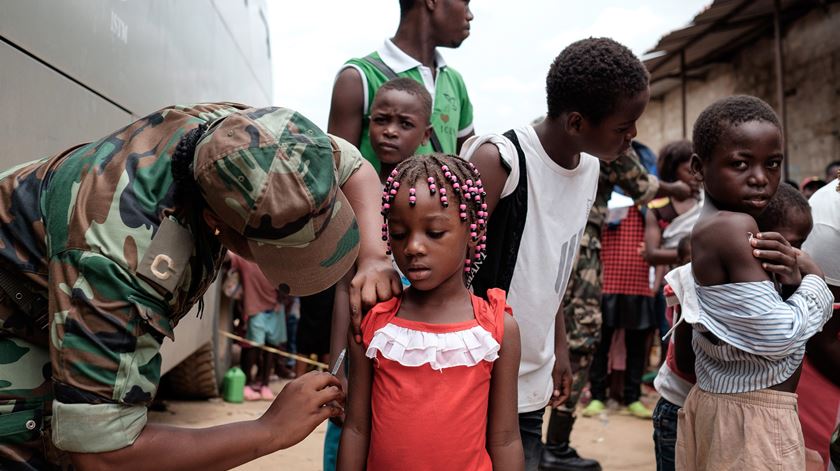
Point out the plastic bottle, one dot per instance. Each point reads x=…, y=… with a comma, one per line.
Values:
x=233, y=385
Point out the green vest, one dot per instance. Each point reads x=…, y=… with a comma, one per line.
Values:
x=452, y=111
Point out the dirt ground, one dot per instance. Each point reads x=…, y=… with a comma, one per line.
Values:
x=619, y=442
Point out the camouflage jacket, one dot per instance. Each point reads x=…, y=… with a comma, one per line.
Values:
x=628, y=173
x=79, y=225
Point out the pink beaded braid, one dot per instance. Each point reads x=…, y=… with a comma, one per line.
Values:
x=442, y=173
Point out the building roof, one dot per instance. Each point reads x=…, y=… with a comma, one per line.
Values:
x=722, y=27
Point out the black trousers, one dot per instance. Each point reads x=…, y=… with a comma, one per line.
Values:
x=634, y=340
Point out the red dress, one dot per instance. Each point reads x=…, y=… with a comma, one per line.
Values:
x=431, y=387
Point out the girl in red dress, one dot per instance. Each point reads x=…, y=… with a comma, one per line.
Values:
x=433, y=385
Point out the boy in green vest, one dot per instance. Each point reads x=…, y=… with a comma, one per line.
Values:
x=412, y=52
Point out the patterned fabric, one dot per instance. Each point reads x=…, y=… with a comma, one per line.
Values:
x=630, y=175
x=757, y=339
x=452, y=111
x=270, y=174
x=582, y=300
x=625, y=271
x=81, y=227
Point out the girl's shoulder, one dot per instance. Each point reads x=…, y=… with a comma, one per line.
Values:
x=378, y=316
x=490, y=313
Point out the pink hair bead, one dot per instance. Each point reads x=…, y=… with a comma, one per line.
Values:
x=412, y=191
x=456, y=185
x=473, y=226
x=393, y=192
x=444, y=168
x=469, y=182
x=481, y=221
x=386, y=206
x=430, y=180
x=484, y=206
x=462, y=207
x=443, y=191
x=478, y=256
x=483, y=238
x=448, y=174
x=478, y=182
x=396, y=184
x=473, y=234
x=412, y=199
x=463, y=216
x=443, y=199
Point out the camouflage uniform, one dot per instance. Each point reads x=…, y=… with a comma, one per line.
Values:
x=86, y=228
x=582, y=300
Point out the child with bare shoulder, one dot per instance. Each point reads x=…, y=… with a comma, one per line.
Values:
x=433, y=384
x=749, y=341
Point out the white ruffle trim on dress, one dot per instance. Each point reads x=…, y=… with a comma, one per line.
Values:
x=440, y=350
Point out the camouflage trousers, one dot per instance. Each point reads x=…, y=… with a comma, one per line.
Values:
x=582, y=312
x=25, y=408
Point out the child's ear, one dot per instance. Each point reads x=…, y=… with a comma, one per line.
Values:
x=696, y=164
x=427, y=134
x=574, y=123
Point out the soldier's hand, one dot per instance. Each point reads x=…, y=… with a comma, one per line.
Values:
x=301, y=406
x=375, y=281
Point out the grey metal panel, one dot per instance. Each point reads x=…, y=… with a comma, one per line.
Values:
x=147, y=54
x=42, y=112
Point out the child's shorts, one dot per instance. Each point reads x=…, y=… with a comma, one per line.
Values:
x=757, y=430
x=267, y=327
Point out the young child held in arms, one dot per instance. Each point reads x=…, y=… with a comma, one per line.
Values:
x=433, y=385
x=787, y=218
x=748, y=341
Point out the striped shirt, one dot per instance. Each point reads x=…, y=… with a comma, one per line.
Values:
x=761, y=337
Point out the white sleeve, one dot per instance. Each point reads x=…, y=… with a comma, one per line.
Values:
x=507, y=151
x=823, y=241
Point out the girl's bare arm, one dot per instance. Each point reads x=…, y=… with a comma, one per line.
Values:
x=654, y=253
x=355, y=436
x=503, y=440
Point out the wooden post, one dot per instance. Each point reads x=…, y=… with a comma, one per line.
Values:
x=780, y=80
x=684, y=86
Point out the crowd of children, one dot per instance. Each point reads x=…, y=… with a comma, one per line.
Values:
x=457, y=372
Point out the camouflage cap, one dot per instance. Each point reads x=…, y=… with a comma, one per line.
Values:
x=270, y=174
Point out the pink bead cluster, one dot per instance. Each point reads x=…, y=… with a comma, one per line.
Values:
x=471, y=194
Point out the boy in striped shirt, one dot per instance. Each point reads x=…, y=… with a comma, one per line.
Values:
x=749, y=342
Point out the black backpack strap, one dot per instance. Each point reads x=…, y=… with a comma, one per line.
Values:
x=380, y=66
x=391, y=75
x=504, y=232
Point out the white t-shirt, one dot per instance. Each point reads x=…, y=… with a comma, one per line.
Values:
x=823, y=243
x=559, y=201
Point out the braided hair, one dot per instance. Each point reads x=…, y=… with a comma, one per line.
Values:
x=182, y=166
x=454, y=181
x=188, y=199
